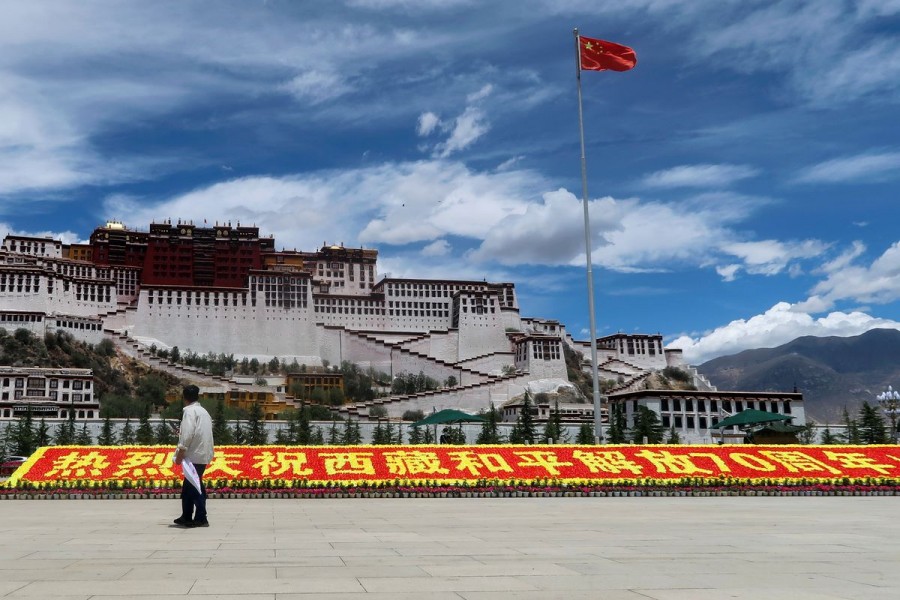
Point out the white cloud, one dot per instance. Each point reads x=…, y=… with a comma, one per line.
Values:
x=878, y=283
x=481, y=94
x=66, y=237
x=778, y=325
x=317, y=86
x=728, y=272
x=428, y=122
x=436, y=248
x=771, y=257
x=854, y=169
x=466, y=129
x=698, y=176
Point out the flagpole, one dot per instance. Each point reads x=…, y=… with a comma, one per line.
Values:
x=598, y=421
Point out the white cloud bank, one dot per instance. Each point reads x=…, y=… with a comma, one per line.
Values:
x=778, y=325
x=698, y=176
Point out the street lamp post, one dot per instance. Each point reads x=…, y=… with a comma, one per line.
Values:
x=890, y=404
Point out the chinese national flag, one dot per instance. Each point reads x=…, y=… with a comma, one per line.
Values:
x=600, y=55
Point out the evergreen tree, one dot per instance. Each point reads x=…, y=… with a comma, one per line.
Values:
x=237, y=433
x=302, y=425
x=106, y=437
x=378, y=435
x=352, y=434
x=23, y=438
x=41, y=434
x=808, y=434
x=618, y=424
x=126, y=436
x=829, y=438
x=317, y=438
x=64, y=435
x=872, y=426
x=284, y=436
x=84, y=436
x=334, y=436
x=525, y=422
x=647, y=425
x=144, y=434
x=221, y=432
x=585, y=434
x=851, y=428
x=673, y=438
x=427, y=435
x=163, y=436
x=256, y=429
x=490, y=430
x=554, y=429
x=415, y=435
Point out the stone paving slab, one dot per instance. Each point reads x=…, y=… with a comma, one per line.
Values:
x=779, y=548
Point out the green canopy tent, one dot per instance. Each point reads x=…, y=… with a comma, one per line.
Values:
x=749, y=417
x=448, y=416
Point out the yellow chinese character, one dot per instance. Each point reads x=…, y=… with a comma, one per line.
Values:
x=283, y=462
x=358, y=463
x=223, y=462
x=858, y=460
x=715, y=458
x=752, y=462
x=666, y=462
x=145, y=464
x=795, y=461
x=79, y=465
x=403, y=462
x=474, y=463
x=607, y=462
x=544, y=460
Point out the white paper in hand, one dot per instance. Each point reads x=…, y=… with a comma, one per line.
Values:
x=190, y=473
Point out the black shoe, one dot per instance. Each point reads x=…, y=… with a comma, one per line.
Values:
x=182, y=522
x=203, y=523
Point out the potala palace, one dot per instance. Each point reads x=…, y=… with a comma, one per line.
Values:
x=226, y=289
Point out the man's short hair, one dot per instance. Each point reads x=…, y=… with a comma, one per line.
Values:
x=191, y=392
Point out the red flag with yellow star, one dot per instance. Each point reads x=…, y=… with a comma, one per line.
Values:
x=600, y=55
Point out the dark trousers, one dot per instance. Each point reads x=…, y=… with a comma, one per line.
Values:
x=191, y=498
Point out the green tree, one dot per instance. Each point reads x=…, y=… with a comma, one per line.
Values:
x=106, y=437
x=413, y=415
x=451, y=381
x=84, y=436
x=41, y=434
x=851, y=428
x=808, y=434
x=415, y=435
x=646, y=425
x=335, y=396
x=237, y=433
x=673, y=438
x=126, y=436
x=163, y=436
x=334, y=435
x=175, y=355
x=256, y=429
x=525, y=421
x=23, y=437
x=828, y=438
x=221, y=432
x=554, y=429
x=490, y=429
x=352, y=434
x=152, y=390
x=872, y=426
x=379, y=437
x=585, y=434
x=144, y=434
x=318, y=437
x=64, y=435
x=618, y=425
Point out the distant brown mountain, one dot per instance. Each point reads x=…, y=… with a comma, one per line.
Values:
x=832, y=372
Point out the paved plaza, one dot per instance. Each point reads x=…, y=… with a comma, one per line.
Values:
x=797, y=548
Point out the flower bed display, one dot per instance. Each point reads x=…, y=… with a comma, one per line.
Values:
x=316, y=471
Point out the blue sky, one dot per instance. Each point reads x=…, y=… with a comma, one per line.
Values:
x=743, y=177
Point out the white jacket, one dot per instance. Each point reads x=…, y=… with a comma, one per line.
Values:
x=195, y=436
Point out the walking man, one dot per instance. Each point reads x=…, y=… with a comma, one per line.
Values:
x=195, y=445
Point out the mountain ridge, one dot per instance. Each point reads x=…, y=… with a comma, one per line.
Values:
x=832, y=372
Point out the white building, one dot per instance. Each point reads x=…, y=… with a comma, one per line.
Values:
x=47, y=393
